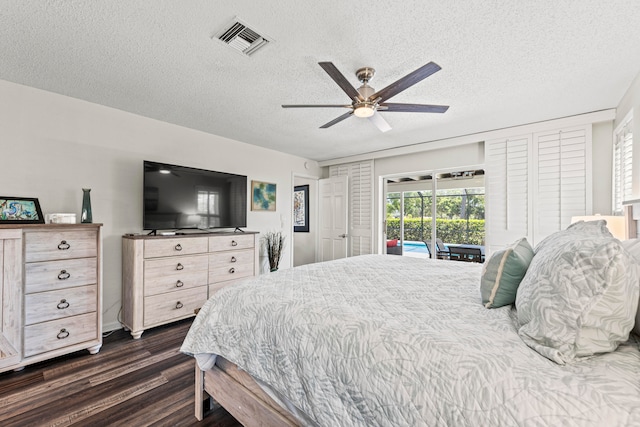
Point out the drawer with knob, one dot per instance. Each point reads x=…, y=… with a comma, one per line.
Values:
x=175, y=246
x=225, y=243
x=170, y=274
x=50, y=275
x=55, y=334
x=45, y=306
x=46, y=246
x=231, y=265
x=173, y=305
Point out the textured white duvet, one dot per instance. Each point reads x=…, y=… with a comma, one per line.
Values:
x=382, y=340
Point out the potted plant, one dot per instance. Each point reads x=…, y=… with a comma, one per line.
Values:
x=274, y=244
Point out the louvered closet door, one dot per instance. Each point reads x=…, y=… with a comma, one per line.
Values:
x=562, y=183
x=360, y=205
x=508, y=191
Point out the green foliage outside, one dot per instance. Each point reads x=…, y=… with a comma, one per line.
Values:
x=449, y=230
x=447, y=206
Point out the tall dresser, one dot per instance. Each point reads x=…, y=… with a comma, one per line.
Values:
x=166, y=278
x=51, y=291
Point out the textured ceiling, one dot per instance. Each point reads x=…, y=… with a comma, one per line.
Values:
x=504, y=63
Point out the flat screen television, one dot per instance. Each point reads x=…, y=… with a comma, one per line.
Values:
x=179, y=197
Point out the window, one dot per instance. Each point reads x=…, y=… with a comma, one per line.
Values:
x=208, y=207
x=622, y=164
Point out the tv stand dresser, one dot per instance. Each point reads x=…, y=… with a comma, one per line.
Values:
x=167, y=278
x=50, y=292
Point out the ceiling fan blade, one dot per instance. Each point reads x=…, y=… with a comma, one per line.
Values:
x=412, y=108
x=337, y=120
x=318, y=106
x=380, y=122
x=341, y=80
x=406, y=82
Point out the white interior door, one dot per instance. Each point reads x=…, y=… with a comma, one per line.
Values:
x=333, y=218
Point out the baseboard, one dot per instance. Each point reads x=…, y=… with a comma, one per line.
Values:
x=108, y=327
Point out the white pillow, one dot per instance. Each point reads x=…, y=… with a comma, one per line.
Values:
x=579, y=295
x=633, y=246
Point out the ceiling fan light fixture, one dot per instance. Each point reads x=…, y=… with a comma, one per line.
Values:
x=364, y=111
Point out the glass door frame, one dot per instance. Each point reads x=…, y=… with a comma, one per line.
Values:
x=434, y=187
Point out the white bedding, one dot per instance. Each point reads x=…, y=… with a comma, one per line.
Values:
x=398, y=341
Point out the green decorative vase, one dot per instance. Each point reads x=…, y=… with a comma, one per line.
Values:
x=87, y=215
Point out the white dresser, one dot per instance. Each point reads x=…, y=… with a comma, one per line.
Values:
x=166, y=278
x=51, y=300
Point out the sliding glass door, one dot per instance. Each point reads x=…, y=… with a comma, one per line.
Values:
x=427, y=226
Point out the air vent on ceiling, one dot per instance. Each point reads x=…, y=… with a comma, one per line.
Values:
x=242, y=38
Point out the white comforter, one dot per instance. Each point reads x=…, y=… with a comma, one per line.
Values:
x=382, y=340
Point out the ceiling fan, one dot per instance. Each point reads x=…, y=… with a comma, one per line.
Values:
x=367, y=103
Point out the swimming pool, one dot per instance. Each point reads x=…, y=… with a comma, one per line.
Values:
x=415, y=247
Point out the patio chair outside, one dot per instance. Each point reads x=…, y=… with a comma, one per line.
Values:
x=465, y=254
x=439, y=254
x=443, y=250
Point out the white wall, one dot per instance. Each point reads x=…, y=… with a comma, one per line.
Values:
x=52, y=146
x=631, y=102
x=305, y=244
x=602, y=163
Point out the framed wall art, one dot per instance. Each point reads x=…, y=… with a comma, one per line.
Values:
x=20, y=210
x=263, y=196
x=301, y=208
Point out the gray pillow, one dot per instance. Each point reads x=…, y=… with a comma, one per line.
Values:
x=503, y=272
x=579, y=295
x=633, y=246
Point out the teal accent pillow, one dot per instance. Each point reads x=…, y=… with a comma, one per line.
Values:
x=503, y=272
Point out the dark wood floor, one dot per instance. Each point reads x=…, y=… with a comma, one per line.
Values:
x=128, y=383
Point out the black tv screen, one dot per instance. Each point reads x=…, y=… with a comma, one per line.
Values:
x=179, y=197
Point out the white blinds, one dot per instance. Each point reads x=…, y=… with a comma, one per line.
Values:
x=622, y=165
x=535, y=183
x=360, y=204
x=507, y=184
x=561, y=183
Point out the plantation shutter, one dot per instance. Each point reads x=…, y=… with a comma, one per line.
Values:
x=562, y=185
x=622, y=166
x=360, y=204
x=535, y=184
x=507, y=191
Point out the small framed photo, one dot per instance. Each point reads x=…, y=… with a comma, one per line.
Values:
x=20, y=210
x=301, y=208
x=263, y=196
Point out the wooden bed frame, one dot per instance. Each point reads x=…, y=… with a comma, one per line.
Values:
x=240, y=395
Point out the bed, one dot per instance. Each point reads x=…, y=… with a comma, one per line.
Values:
x=398, y=341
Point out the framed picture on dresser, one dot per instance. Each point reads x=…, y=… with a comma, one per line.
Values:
x=20, y=210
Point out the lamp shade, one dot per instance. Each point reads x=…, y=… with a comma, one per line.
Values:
x=615, y=224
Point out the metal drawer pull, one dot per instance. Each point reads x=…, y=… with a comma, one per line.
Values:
x=234, y=243
x=179, y=267
x=232, y=270
x=63, y=304
x=179, y=305
x=63, y=246
x=64, y=275
x=233, y=259
x=62, y=334
x=178, y=247
x=179, y=284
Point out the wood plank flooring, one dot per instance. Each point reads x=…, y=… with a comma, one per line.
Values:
x=128, y=383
